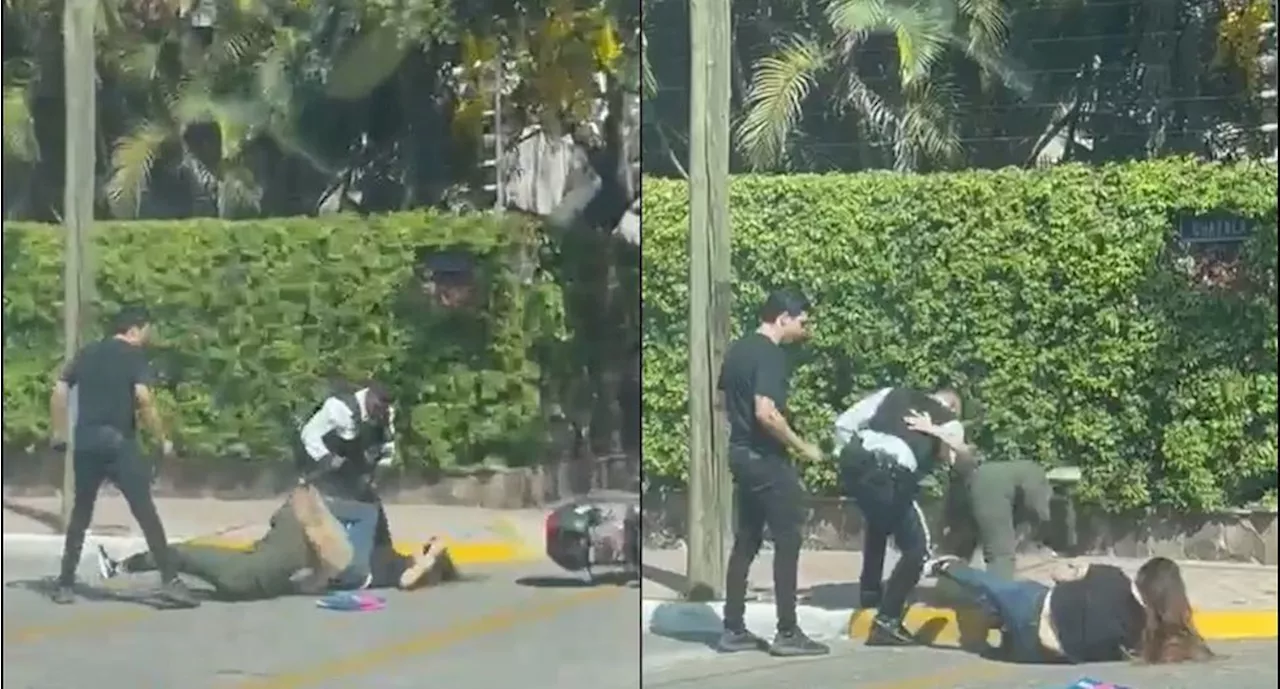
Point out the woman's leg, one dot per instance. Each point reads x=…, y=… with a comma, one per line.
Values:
x=234, y=574
x=360, y=519
x=1016, y=604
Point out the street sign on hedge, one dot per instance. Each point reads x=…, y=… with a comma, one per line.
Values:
x=1214, y=228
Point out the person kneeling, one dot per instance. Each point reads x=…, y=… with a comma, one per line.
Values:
x=1098, y=616
x=303, y=535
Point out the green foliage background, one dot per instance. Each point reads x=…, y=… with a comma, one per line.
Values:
x=255, y=317
x=1050, y=298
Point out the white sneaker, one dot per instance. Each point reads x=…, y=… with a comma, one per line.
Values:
x=939, y=564
x=108, y=567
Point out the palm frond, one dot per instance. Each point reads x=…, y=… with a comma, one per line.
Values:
x=875, y=112
x=19, y=126
x=648, y=78
x=238, y=191
x=853, y=20
x=138, y=62
x=928, y=126
x=779, y=85
x=20, y=143
x=202, y=179
x=921, y=31
x=132, y=159
x=987, y=22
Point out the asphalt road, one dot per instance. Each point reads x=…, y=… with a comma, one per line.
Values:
x=502, y=627
x=670, y=664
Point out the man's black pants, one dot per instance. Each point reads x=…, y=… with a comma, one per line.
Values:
x=767, y=492
x=101, y=454
x=886, y=495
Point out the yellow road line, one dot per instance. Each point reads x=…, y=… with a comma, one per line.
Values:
x=433, y=641
x=77, y=624
x=463, y=552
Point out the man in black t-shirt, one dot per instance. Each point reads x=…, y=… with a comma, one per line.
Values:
x=754, y=379
x=111, y=380
x=886, y=444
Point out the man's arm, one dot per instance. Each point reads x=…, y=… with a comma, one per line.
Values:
x=771, y=385
x=59, y=400
x=387, y=453
x=332, y=417
x=950, y=433
x=768, y=415
x=150, y=414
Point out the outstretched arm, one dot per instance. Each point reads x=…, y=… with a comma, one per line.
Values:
x=950, y=433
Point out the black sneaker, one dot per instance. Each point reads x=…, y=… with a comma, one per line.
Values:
x=177, y=595
x=869, y=599
x=886, y=632
x=63, y=594
x=733, y=641
x=792, y=643
x=108, y=567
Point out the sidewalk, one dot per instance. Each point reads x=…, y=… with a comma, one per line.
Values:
x=475, y=535
x=1231, y=600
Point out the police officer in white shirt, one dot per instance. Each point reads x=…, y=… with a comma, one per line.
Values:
x=886, y=443
x=340, y=447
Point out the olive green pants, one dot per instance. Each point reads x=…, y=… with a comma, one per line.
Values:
x=980, y=511
x=263, y=571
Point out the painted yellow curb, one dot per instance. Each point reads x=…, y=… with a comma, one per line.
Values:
x=463, y=552
x=944, y=625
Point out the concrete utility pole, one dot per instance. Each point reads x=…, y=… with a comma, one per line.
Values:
x=1267, y=68
x=80, y=79
x=710, y=509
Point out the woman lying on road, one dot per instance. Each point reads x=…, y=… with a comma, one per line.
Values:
x=1099, y=616
x=303, y=536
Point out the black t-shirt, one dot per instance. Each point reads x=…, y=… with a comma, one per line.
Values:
x=1097, y=617
x=896, y=405
x=754, y=365
x=103, y=375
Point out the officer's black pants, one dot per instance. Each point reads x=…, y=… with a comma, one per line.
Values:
x=767, y=492
x=104, y=454
x=886, y=495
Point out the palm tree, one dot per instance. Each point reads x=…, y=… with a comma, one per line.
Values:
x=912, y=108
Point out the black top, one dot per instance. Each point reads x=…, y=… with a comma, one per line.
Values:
x=896, y=405
x=754, y=365
x=104, y=374
x=1097, y=617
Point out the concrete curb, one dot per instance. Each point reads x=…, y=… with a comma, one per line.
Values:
x=939, y=625
x=683, y=619
x=463, y=552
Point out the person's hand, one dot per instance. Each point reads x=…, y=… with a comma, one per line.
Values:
x=1067, y=570
x=919, y=422
x=811, y=452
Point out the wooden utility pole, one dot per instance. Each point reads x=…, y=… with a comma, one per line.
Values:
x=709, y=295
x=80, y=77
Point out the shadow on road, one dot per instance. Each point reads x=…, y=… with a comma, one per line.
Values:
x=143, y=597
x=49, y=520
x=582, y=581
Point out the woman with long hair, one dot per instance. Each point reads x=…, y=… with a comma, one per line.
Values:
x=1100, y=615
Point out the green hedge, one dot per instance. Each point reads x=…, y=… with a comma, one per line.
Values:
x=1050, y=298
x=254, y=318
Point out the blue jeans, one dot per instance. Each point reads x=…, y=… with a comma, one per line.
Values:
x=360, y=519
x=1016, y=604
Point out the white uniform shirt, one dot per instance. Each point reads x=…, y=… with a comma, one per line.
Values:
x=854, y=420
x=334, y=416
